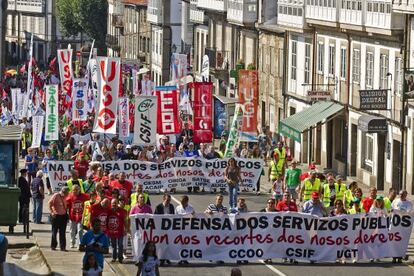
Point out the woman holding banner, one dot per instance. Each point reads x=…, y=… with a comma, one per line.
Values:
x=233, y=178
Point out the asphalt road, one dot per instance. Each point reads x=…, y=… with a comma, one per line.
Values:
x=255, y=203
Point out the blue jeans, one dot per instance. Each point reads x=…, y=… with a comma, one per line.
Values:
x=117, y=248
x=37, y=209
x=233, y=195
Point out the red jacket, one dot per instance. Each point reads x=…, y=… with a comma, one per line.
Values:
x=75, y=206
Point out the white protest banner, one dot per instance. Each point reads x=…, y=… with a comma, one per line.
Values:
x=108, y=88
x=14, y=99
x=80, y=100
x=234, y=133
x=59, y=173
x=66, y=73
x=52, y=124
x=37, y=130
x=145, y=127
x=21, y=96
x=25, y=106
x=30, y=82
x=178, y=172
x=205, y=69
x=93, y=69
x=147, y=86
x=256, y=236
x=123, y=117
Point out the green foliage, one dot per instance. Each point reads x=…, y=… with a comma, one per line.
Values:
x=88, y=16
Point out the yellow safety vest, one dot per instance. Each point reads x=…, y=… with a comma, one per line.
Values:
x=26, y=139
x=273, y=171
x=352, y=211
x=310, y=188
x=282, y=157
x=221, y=154
x=348, y=198
x=134, y=198
x=387, y=203
x=69, y=183
x=339, y=193
x=86, y=215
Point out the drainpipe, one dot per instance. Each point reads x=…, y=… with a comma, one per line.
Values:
x=346, y=105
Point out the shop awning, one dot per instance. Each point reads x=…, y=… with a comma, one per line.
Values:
x=294, y=125
x=10, y=133
x=372, y=124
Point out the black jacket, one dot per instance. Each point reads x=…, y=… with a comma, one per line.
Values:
x=25, y=193
x=159, y=210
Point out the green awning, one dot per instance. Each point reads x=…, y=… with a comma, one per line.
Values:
x=294, y=125
x=8, y=133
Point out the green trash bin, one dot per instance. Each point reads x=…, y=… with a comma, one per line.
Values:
x=9, y=198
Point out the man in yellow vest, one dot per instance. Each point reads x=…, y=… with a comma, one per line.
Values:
x=139, y=190
x=341, y=187
x=74, y=180
x=273, y=172
x=349, y=194
x=392, y=194
x=333, y=191
x=310, y=185
x=87, y=210
x=280, y=158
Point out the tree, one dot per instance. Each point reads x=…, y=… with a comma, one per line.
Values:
x=88, y=16
x=67, y=11
x=93, y=15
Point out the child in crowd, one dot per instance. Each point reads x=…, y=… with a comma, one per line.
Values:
x=148, y=263
x=278, y=188
x=91, y=267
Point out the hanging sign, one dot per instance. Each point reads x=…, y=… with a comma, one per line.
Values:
x=373, y=99
x=52, y=123
x=145, y=125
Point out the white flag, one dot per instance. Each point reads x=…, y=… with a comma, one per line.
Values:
x=37, y=131
x=123, y=117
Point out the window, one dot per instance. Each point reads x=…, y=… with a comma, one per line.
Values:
x=384, y=71
x=356, y=66
x=343, y=63
x=307, y=62
x=281, y=57
x=321, y=55
x=398, y=76
x=293, y=60
x=367, y=151
x=331, y=68
x=273, y=61
x=369, y=74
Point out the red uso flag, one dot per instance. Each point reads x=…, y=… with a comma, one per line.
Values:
x=203, y=111
x=66, y=74
x=108, y=89
x=167, y=122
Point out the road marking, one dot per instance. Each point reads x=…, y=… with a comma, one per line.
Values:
x=274, y=269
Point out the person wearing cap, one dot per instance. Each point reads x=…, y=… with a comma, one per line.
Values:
x=25, y=194
x=310, y=185
x=292, y=180
x=74, y=180
x=314, y=206
x=58, y=211
x=128, y=155
x=356, y=207
x=280, y=157
x=378, y=207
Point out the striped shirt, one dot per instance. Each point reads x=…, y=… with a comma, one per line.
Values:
x=216, y=209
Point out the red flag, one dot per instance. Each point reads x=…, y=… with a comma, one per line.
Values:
x=203, y=110
x=167, y=110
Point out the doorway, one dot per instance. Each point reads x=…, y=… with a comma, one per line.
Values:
x=329, y=136
x=396, y=165
x=381, y=161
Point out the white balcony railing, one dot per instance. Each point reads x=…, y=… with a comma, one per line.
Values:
x=196, y=15
x=32, y=6
x=215, y=5
x=291, y=13
x=317, y=10
x=155, y=12
x=403, y=6
x=351, y=16
x=242, y=11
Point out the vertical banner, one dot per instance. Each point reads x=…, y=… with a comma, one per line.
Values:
x=123, y=117
x=205, y=68
x=66, y=74
x=80, y=100
x=20, y=102
x=220, y=118
x=248, y=95
x=145, y=127
x=147, y=86
x=93, y=69
x=108, y=89
x=52, y=124
x=203, y=112
x=14, y=98
x=37, y=131
x=25, y=105
x=135, y=88
x=234, y=133
x=167, y=110
x=30, y=81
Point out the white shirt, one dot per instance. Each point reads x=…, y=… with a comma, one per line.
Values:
x=405, y=206
x=378, y=211
x=179, y=210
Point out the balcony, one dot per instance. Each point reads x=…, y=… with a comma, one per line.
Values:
x=379, y=15
x=117, y=20
x=213, y=5
x=403, y=6
x=111, y=41
x=219, y=60
x=291, y=14
x=196, y=15
x=242, y=12
x=326, y=11
x=32, y=6
x=155, y=12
